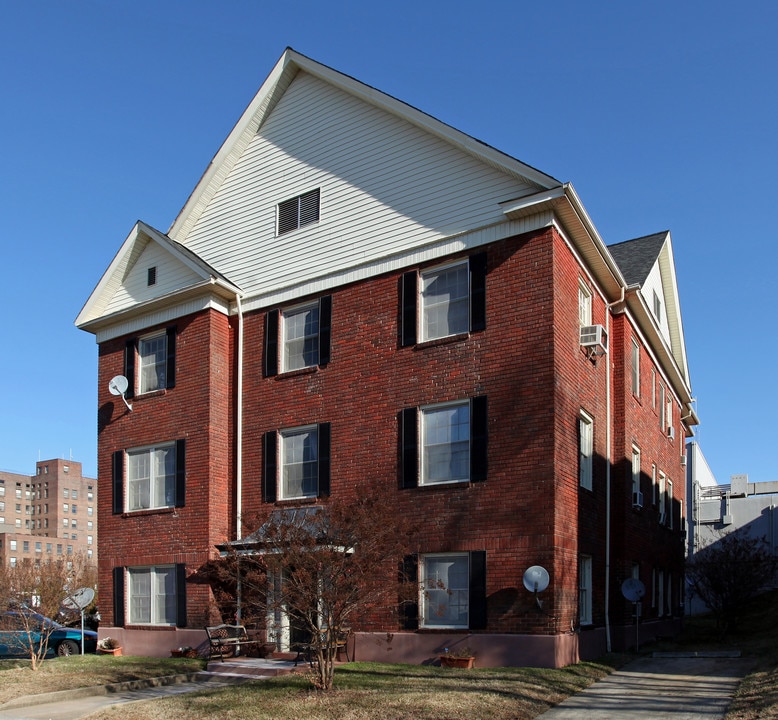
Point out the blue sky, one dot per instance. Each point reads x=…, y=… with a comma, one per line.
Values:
x=663, y=115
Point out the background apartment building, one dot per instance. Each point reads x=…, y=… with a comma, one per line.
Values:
x=48, y=515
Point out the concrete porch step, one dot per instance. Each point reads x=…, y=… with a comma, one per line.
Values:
x=250, y=668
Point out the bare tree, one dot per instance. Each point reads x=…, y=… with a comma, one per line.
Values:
x=319, y=567
x=729, y=572
x=32, y=593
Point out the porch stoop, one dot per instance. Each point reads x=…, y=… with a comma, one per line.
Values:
x=247, y=668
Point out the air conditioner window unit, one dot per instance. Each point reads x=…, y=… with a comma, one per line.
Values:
x=595, y=337
x=671, y=432
x=683, y=460
x=637, y=499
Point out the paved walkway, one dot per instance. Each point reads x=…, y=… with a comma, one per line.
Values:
x=658, y=688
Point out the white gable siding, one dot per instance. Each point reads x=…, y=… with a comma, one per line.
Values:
x=387, y=188
x=172, y=275
x=653, y=284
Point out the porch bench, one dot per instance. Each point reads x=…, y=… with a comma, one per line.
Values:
x=228, y=638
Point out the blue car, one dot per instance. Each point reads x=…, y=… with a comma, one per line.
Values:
x=63, y=641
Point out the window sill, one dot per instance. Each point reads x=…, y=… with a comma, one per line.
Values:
x=149, y=511
x=441, y=341
x=299, y=371
x=166, y=628
x=446, y=484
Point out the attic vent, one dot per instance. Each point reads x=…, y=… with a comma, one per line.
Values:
x=152, y=276
x=298, y=212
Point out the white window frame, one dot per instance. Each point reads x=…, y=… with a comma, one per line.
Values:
x=442, y=606
x=585, y=590
x=430, y=306
x=290, y=457
x=635, y=368
x=653, y=484
x=152, y=604
x=152, y=362
x=157, y=490
x=669, y=503
x=438, y=442
x=585, y=451
x=635, y=469
x=292, y=360
x=662, y=407
x=584, y=304
x=662, y=499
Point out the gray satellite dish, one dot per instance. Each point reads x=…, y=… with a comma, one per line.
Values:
x=79, y=599
x=118, y=386
x=633, y=589
x=536, y=579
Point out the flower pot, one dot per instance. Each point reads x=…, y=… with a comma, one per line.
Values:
x=456, y=662
x=109, y=651
x=176, y=653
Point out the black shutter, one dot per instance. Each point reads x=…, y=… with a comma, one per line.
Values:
x=478, y=292
x=324, y=432
x=118, y=596
x=180, y=595
x=478, y=590
x=129, y=366
x=180, y=473
x=408, y=302
x=409, y=602
x=325, y=329
x=271, y=343
x=409, y=451
x=170, y=374
x=270, y=471
x=479, y=421
x=117, y=474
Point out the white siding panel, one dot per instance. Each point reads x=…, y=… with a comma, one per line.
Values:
x=653, y=284
x=387, y=188
x=172, y=275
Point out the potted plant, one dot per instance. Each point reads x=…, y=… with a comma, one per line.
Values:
x=459, y=658
x=109, y=646
x=186, y=651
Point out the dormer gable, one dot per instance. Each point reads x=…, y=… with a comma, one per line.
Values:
x=149, y=274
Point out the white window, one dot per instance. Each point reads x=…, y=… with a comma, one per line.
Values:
x=585, y=590
x=65, y=522
x=669, y=505
x=89, y=540
x=585, y=450
x=445, y=590
x=445, y=433
x=584, y=305
x=151, y=477
x=300, y=462
x=152, y=595
x=657, y=307
x=662, y=500
x=65, y=493
x=90, y=511
x=152, y=352
x=662, y=408
x=653, y=484
x=445, y=301
x=635, y=368
x=635, y=469
x=301, y=337
x=297, y=212
x=12, y=544
x=74, y=495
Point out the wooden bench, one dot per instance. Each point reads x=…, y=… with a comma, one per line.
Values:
x=228, y=638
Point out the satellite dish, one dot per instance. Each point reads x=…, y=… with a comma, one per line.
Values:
x=633, y=589
x=79, y=599
x=118, y=386
x=536, y=579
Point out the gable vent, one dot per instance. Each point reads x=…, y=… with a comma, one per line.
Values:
x=298, y=212
x=151, y=278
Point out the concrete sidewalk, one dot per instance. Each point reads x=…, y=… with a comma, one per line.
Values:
x=667, y=686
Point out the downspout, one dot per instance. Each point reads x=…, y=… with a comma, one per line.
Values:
x=239, y=450
x=608, y=451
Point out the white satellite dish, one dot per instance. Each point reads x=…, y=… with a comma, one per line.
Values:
x=80, y=599
x=633, y=589
x=536, y=579
x=118, y=386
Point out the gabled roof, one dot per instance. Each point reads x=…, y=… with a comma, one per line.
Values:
x=194, y=277
x=637, y=257
x=268, y=96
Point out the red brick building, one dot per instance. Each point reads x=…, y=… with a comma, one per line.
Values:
x=357, y=294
